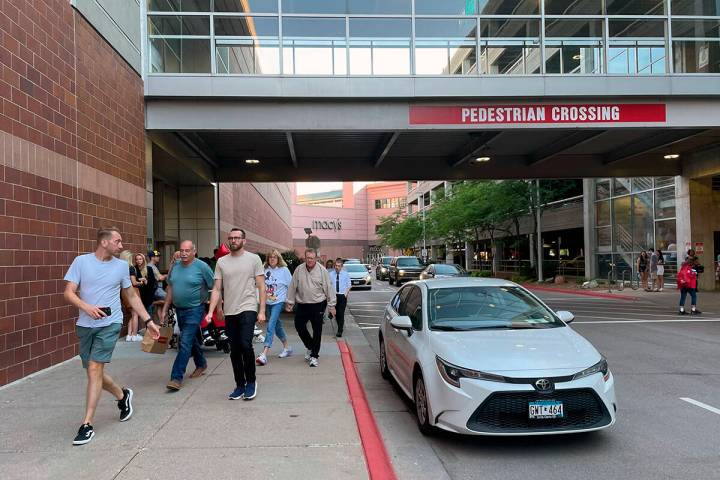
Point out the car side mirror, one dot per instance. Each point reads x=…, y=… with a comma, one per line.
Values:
x=402, y=322
x=565, y=316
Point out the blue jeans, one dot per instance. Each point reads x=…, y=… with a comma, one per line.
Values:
x=189, y=343
x=693, y=296
x=275, y=326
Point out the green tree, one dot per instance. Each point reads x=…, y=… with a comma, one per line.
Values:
x=399, y=231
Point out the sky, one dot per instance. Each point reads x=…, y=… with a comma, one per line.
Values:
x=315, y=187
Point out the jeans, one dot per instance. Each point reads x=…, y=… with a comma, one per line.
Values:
x=189, y=343
x=313, y=313
x=275, y=326
x=340, y=312
x=239, y=329
x=693, y=296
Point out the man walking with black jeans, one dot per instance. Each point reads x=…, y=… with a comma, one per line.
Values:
x=239, y=276
x=312, y=290
x=340, y=278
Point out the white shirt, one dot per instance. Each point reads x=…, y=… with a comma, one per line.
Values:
x=344, y=281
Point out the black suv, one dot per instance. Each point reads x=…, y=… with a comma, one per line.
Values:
x=404, y=268
x=383, y=267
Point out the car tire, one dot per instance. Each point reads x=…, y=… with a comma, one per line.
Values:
x=422, y=406
x=384, y=370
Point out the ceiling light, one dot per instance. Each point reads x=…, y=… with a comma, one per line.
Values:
x=252, y=161
x=577, y=57
x=481, y=159
x=671, y=156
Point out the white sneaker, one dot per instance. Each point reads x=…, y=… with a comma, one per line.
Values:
x=261, y=360
x=286, y=352
x=138, y=338
x=313, y=362
x=130, y=338
x=307, y=356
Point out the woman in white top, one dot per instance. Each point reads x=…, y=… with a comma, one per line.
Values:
x=277, y=281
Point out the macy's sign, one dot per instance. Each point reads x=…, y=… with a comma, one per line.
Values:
x=327, y=224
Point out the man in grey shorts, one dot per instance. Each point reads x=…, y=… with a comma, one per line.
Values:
x=95, y=282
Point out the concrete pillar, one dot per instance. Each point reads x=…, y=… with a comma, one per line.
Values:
x=590, y=247
x=683, y=220
x=469, y=254
x=149, y=204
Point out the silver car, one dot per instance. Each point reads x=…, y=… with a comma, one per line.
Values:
x=359, y=275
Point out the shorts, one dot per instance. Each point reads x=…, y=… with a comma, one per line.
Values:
x=653, y=275
x=97, y=344
x=661, y=271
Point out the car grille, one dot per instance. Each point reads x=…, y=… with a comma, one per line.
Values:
x=507, y=412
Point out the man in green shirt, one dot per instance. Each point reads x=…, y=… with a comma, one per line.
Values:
x=189, y=284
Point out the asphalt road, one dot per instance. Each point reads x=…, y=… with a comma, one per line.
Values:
x=667, y=386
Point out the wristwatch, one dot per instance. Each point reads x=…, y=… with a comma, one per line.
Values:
x=148, y=321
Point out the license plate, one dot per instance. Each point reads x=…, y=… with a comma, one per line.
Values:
x=545, y=409
x=356, y=282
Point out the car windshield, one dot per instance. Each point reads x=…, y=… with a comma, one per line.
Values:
x=409, y=262
x=355, y=267
x=445, y=269
x=386, y=260
x=351, y=260
x=478, y=308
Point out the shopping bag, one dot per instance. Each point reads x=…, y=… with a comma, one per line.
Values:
x=151, y=345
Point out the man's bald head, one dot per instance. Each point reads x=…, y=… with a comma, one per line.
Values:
x=187, y=251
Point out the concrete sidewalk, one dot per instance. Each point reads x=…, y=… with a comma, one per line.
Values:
x=301, y=425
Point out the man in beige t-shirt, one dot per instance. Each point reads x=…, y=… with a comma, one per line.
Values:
x=240, y=276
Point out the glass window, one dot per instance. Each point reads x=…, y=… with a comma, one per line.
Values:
x=635, y=7
x=380, y=46
x=445, y=7
x=179, y=5
x=246, y=26
x=642, y=183
x=621, y=186
x=509, y=28
x=252, y=56
x=313, y=6
x=573, y=46
x=413, y=307
x=602, y=213
x=445, y=46
x=573, y=7
x=665, y=203
x=666, y=238
x=664, y=182
x=178, y=25
x=314, y=46
x=602, y=189
x=379, y=7
x=179, y=55
x=604, y=239
x=696, y=56
x=700, y=8
x=696, y=29
x=640, y=28
x=636, y=57
x=247, y=6
x=642, y=221
x=623, y=225
x=378, y=204
x=509, y=57
x=504, y=7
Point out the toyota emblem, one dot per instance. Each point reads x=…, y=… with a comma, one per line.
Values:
x=543, y=384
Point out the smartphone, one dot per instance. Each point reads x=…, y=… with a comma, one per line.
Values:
x=105, y=310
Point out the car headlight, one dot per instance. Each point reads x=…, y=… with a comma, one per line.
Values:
x=452, y=373
x=599, y=367
x=401, y=272
x=383, y=269
x=367, y=279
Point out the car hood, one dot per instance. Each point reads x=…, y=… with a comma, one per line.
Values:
x=499, y=351
x=411, y=269
x=356, y=275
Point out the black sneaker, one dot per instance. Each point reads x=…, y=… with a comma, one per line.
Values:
x=84, y=435
x=682, y=312
x=125, y=405
x=695, y=312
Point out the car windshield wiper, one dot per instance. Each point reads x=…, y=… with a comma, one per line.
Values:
x=447, y=328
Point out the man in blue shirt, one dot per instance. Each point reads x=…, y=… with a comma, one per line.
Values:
x=340, y=280
x=189, y=284
x=95, y=282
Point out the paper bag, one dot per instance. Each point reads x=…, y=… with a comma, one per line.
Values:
x=160, y=345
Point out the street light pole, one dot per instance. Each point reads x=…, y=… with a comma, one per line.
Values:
x=424, y=252
x=539, y=232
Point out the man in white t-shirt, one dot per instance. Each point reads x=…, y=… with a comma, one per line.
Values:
x=95, y=282
x=240, y=276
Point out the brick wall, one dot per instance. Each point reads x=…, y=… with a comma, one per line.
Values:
x=71, y=160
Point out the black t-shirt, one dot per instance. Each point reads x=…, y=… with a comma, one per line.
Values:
x=147, y=291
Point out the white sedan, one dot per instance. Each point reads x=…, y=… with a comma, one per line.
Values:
x=486, y=357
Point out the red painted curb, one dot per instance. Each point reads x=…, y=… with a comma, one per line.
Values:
x=576, y=292
x=376, y=456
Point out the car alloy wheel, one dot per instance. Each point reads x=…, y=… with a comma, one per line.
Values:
x=422, y=408
x=384, y=371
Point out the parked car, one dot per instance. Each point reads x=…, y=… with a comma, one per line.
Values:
x=404, y=268
x=484, y=356
x=383, y=268
x=359, y=276
x=442, y=270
